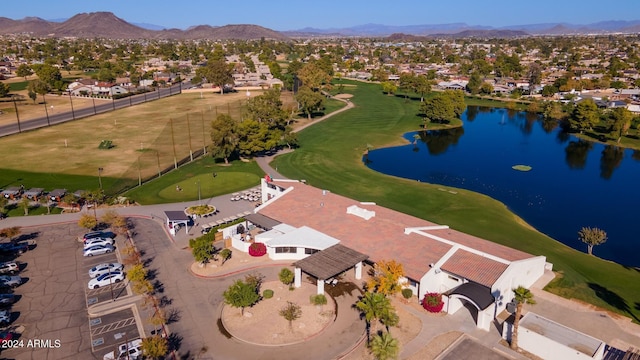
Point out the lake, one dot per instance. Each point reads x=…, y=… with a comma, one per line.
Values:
x=572, y=183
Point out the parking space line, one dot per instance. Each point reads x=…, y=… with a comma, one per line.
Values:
x=112, y=326
x=92, y=292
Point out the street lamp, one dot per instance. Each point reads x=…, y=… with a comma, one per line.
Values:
x=100, y=177
x=13, y=97
x=73, y=113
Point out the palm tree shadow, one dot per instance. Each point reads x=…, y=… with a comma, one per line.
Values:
x=614, y=300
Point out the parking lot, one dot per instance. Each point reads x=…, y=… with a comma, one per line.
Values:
x=51, y=316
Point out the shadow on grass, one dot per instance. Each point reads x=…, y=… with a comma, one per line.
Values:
x=614, y=300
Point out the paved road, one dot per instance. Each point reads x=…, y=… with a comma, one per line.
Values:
x=99, y=108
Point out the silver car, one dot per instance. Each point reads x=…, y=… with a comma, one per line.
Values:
x=104, y=268
x=98, y=250
x=10, y=281
x=97, y=241
x=5, y=317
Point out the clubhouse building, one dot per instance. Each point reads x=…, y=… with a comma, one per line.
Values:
x=327, y=234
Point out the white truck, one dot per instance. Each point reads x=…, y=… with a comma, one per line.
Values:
x=128, y=351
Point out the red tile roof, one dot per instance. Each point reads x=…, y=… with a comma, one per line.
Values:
x=474, y=267
x=382, y=237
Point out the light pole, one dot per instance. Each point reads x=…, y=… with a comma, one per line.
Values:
x=13, y=97
x=73, y=114
x=45, y=110
x=100, y=177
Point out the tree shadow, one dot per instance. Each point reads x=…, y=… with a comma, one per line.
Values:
x=173, y=315
x=613, y=299
x=175, y=341
x=164, y=301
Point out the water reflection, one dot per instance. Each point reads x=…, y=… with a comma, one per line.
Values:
x=438, y=141
x=479, y=156
x=611, y=158
x=576, y=153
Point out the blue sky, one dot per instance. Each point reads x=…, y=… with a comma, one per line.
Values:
x=293, y=15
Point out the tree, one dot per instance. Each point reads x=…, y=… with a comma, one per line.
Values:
x=267, y=108
x=48, y=73
x=389, y=87
x=421, y=85
x=286, y=276
x=313, y=76
x=291, y=312
x=534, y=74
x=384, y=346
x=217, y=72
x=24, y=71
x=4, y=89
x=309, y=100
x=87, y=221
x=486, y=88
x=592, y=237
x=522, y=296
x=385, y=277
x=3, y=205
x=620, y=122
x=225, y=254
x=155, y=347
x=10, y=232
x=38, y=86
x=44, y=201
x=241, y=294
x=444, y=107
x=474, y=84
x=224, y=137
x=374, y=307
x=25, y=203
x=585, y=115
x=202, y=249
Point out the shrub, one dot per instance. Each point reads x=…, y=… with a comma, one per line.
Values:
x=407, y=293
x=319, y=299
x=432, y=302
x=257, y=249
x=267, y=294
x=286, y=276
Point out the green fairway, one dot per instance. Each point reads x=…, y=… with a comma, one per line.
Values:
x=235, y=177
x=331, y=155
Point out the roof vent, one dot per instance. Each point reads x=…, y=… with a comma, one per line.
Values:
x=360, y=212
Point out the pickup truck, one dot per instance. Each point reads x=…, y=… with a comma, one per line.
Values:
x=134, y=348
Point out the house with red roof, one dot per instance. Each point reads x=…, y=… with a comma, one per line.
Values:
x=467, y=270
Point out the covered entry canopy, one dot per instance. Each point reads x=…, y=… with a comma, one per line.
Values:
x=480, y=295
x=262, y=221
x=330, y=262
x=176, y=218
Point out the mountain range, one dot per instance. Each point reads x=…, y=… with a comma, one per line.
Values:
x=108, y=25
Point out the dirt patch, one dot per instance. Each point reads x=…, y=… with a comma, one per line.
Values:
x=344, y=96
x=262, y=323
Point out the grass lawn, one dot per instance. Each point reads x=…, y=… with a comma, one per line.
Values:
x=235, y=177
x=331, y=157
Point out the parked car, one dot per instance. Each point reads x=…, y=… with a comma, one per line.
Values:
x=95, y=234
x=5, y=336
x=97, y=241
x=7, y=299
x=5, y=317
x=131, y=350
x=105, y=268
x=10, y=281
x=13, y=248
x=98, y=250
x=9, y=267
x=106, y=279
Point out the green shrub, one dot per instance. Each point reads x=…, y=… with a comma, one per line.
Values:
x=267, y=294
x=319, y=299
x=407, y=293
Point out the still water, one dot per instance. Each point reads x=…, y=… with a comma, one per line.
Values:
x=572, y=184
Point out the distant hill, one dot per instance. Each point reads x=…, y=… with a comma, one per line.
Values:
x=107, y=25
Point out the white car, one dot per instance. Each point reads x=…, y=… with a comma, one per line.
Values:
x=98, y=250
x=97, y=241
x=105, y=268
x=131, y=350
x=106, y=279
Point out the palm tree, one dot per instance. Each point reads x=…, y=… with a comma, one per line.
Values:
x=385, y=347
x=374, y=307
x=522, y=296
